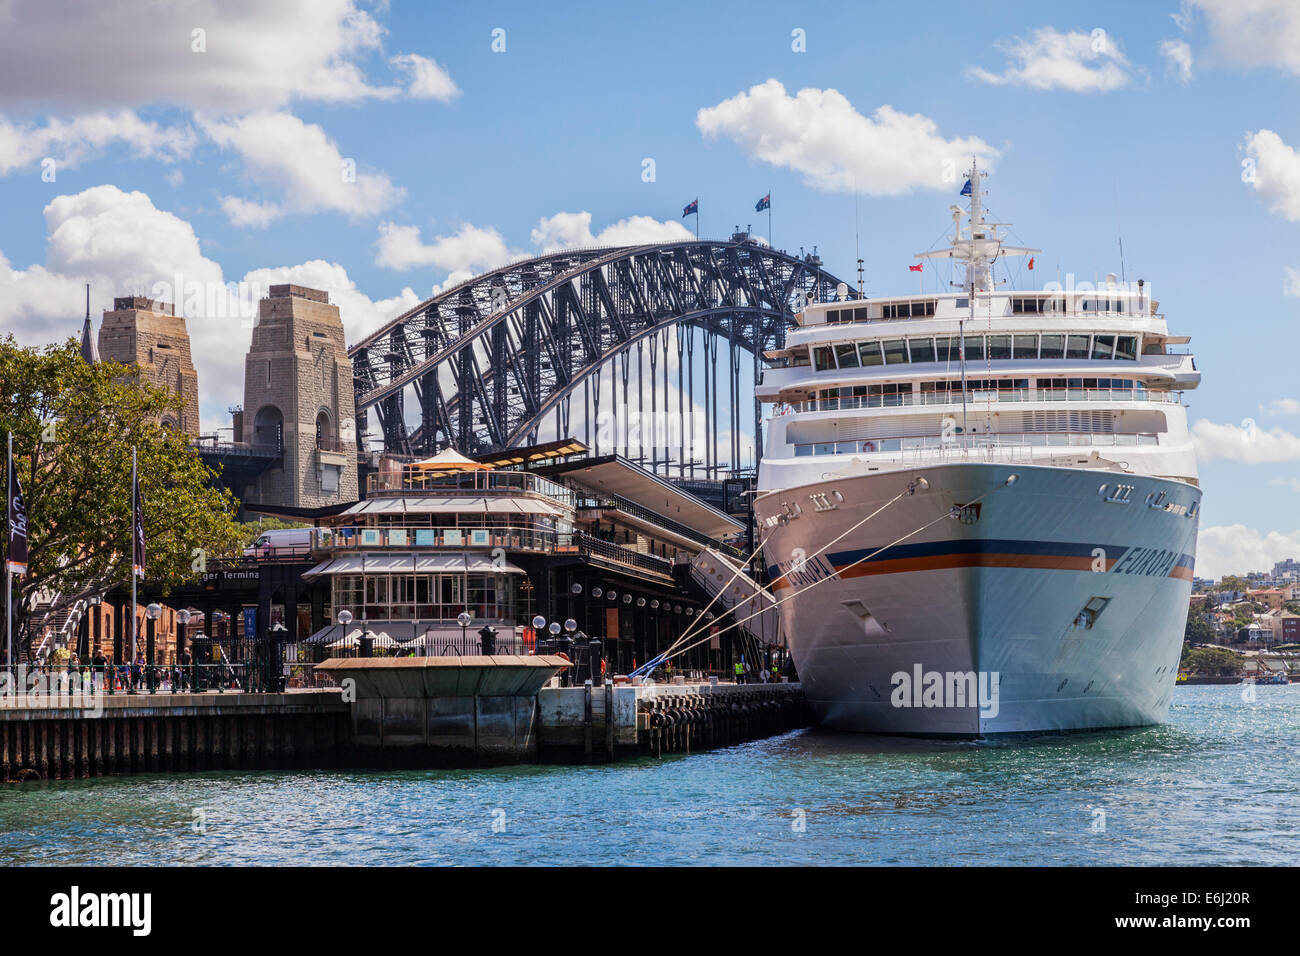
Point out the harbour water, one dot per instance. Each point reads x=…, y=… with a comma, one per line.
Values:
x=1216, y=785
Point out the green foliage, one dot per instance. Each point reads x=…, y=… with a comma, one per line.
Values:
x=249, y=530
x=1211, y=661
x=74, y=426
x=1199, y=628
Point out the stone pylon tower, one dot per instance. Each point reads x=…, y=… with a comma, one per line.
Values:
x=298, y=395
x=149, y=335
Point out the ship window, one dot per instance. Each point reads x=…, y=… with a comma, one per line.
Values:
x=833, y=317
x=1026, y=305
x=1077, y=347
x=974, y=347
x=946, y=349
x=999, y=347
x=1025, y=347
x=895, y=351
x=922, y=349
x=962, y=303
x=861, y=315
x=1103, y=346
x=847, y=355
x=869, y=352
x=1126, y=348
x=1053, y=346
x=823, y=357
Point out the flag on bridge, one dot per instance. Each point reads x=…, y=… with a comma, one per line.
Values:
x=915, y=268
x=16, y=513
x=692, y=208
x=764, y=203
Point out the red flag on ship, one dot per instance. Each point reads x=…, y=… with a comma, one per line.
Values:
x=915, y=268
x=1031, y=262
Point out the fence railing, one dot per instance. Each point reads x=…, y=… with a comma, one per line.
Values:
x=476, y=483
x=982, y=396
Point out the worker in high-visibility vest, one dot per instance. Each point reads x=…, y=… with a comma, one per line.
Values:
x=740, y=672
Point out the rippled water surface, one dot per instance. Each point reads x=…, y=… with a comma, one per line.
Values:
x=1217, y=785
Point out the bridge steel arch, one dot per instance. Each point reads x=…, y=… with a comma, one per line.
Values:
x=491, y=358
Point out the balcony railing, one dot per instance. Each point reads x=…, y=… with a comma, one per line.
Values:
x=469, y=483
x=509, y=539
x=982, y=396
x=619, y=503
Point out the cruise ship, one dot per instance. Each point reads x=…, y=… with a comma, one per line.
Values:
x=978, y=508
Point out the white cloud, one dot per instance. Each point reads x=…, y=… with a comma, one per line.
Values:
x=244, y=212
x=469, y=249
x=1049, y=60
x=1281, y=406
x=428, y=80
x=121, y=52
x=1178, y=55
x=281, y=152
x=1255, y=33
x=1236, y=549
x=121, y=243
x=1291, y=282
x=568, y=230
x=1246, y=443
x=1292, y=483
x=69, y=142
x=818, y=133
x=1277, y=173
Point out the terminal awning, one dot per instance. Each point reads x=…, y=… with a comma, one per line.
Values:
x=435, y=562
x=467, y=504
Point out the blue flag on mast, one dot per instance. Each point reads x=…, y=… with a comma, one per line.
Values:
x=691, y=207
x=764, y=203
x=965, y=190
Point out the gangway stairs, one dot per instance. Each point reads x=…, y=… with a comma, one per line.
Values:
x=713, y=571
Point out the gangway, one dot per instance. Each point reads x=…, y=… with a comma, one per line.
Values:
x=713, y=571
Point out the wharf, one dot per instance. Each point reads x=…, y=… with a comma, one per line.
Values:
x=399, y=712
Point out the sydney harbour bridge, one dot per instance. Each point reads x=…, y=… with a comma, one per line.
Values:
x=502, y=359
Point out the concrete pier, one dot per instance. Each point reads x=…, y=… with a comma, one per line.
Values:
x=392, y=712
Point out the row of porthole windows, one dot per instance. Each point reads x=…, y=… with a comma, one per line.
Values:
x=994, y=348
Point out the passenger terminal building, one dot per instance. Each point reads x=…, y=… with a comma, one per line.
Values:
x=597, y=543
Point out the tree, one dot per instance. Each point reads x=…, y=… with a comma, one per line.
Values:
x=1211, y=661
x=1199, y=628
x=74, y=425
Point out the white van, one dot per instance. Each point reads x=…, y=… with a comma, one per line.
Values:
x=280, y=542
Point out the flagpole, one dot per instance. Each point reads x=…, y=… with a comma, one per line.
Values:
x=134, y=505
x=769, y=220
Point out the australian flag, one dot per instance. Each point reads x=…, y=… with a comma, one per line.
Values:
x=764, y=203
x=965, y=190
x=692, y=208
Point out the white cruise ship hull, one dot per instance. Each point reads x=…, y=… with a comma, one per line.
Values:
x=980, y=625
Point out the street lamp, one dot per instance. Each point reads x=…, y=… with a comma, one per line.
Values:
x=182, y=618
x=463, y=619
x=151, y=613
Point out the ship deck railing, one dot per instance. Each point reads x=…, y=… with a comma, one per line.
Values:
x=1021, y=447
x=984, y=396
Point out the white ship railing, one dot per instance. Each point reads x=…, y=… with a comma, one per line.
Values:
x=905, y=449
x=984, y=396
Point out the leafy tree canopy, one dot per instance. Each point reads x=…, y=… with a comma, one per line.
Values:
x=74, y=426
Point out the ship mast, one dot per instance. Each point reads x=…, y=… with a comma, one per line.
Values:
x=978, y=252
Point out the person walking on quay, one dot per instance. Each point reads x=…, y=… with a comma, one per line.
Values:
x=187, y=669
x=137, y=672
x=97, y=666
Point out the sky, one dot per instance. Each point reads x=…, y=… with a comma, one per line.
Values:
x=382, y=151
